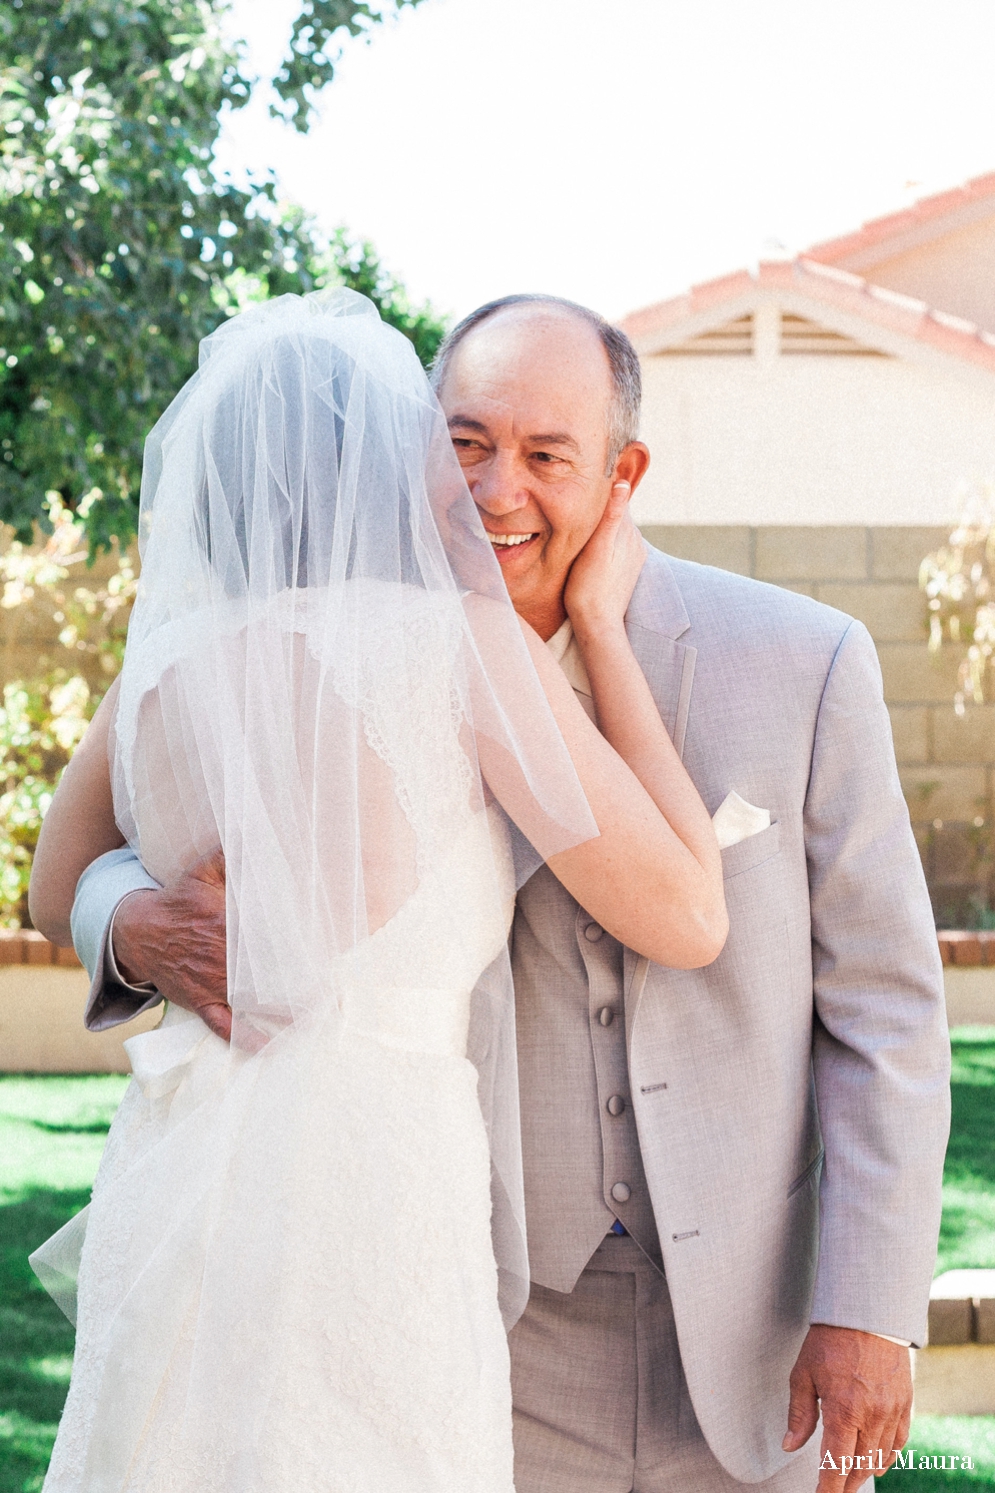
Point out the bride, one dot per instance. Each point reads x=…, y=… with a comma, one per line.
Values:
x=304, y=1246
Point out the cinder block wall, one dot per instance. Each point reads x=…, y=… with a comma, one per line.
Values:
x=946, y=762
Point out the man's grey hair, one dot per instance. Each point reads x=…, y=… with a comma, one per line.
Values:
x=623, y=361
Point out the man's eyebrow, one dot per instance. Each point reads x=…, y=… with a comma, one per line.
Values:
x=465, y=423
x=556, y=438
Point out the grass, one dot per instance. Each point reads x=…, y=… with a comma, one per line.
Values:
x=52, y=1133
x=946, y=1435
x=967, y=1232
x=967, y=1237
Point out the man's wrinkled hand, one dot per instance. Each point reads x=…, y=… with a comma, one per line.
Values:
x=864, y=1386
x=176, y=938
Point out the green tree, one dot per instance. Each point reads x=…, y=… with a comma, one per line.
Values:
x=357, y=264
x=119, y=248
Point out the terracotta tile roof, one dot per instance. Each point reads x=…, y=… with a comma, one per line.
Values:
x=929, y=212
x=820, y=284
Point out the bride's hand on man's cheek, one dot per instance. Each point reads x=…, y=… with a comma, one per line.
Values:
x=604, y=574
x=176, y=938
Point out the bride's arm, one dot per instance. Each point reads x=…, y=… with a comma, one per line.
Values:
x=653, y=877
x=78, y=827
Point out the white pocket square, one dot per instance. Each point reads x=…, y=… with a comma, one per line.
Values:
x=736, y=820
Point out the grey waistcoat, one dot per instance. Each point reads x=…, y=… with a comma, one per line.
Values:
x=583, y=1168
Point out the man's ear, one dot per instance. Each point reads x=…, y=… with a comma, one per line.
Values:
x=633, y=461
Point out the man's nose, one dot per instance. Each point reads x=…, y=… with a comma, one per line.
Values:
x=498, y=487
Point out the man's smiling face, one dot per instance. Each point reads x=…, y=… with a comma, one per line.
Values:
x=527, y=397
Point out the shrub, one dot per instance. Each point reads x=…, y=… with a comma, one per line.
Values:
x=44, y=718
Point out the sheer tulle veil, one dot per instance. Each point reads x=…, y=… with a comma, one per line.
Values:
x=321, y=663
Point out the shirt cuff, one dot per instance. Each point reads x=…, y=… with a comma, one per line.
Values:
x=112, y=999
x=902, y=1342
x=112, y=974
x=100, y=891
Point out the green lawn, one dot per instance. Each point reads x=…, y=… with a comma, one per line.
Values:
x=967, y=1233
x=51, y=1135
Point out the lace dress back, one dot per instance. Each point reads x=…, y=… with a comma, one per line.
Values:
x=288, y=1278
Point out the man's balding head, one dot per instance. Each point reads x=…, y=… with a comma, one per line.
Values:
x=623, y=362
x=542, y=399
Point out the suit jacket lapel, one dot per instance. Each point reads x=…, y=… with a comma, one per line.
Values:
x=669, y=671
x=655, y=621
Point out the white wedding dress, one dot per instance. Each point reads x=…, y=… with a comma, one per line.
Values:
x=329, y=1207
x=291, y=1279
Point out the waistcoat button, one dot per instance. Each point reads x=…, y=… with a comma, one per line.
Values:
x=616, y=1105
x=621, y=1192
x=606, y=1015
x=593, y=932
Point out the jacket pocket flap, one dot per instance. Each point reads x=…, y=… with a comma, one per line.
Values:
x=752, y=851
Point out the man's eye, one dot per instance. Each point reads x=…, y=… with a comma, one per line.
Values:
x=546, y=457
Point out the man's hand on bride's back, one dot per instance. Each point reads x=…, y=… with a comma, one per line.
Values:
x=176, y=938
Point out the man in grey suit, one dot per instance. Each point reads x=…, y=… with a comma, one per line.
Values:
x=732, y=1173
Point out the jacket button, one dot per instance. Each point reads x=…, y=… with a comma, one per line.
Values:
x=616, y=1105
x=606, y=1015
x=593, y=932
x=621, y=1192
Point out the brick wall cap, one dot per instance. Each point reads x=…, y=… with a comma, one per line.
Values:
x=28, y=946
x=967, y=948
x=961, y=1285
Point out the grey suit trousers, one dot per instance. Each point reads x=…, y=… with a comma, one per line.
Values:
x=601, y=1402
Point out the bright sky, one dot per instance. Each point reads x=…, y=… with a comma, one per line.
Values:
x=616, y=151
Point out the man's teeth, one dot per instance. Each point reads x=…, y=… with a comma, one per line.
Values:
x=510, y=538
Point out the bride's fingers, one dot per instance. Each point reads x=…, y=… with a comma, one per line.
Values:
x=614, y=514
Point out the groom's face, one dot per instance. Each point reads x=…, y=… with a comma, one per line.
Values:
x=527, y=399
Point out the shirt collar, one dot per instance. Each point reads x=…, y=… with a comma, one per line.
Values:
x=566, y=650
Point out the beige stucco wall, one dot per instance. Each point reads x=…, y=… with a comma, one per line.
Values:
x=41, y=1025
x=849, y=440
x=970, y=996
x=946, y=762
x=955, y=1381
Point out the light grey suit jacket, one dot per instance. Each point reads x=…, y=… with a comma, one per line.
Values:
x=792, y=1098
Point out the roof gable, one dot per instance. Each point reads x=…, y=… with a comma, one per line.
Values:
x=795, y=334
x=941, y=251
x=804, y=306
x=914, y=227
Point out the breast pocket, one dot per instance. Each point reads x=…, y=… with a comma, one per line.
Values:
x=751, y=852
